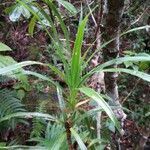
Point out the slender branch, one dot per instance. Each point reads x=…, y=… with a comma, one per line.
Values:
x=131, y=91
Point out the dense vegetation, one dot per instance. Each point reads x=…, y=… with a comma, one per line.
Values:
x=74, y=74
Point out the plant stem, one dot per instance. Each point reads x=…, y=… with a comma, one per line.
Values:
x=68, y=132
x=99, y=125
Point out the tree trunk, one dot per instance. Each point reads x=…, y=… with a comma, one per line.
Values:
x=112, y=29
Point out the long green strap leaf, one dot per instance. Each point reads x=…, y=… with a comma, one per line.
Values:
x=116, y=61
x=21, y=147
x=121, y=60
x=28, y=115
x=76, y=57
x=136, y=73
x=78, y=139
x=32, y=25
x=101, y=102
x=16, y=66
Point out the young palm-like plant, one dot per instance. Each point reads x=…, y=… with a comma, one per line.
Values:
x=72, y=99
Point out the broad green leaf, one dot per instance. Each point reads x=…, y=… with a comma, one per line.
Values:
x=28, y=115
x=78, y=139
x=4, y=47
x=34, y=11
x=15, y=14
x=17, y=11
x=25, y=12
x=136, y=73
x=101, y=102
x=68, y=6
x=6, y=61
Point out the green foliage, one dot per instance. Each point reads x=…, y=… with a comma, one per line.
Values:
x=142, y=66
x=39, y=124
x=4, y=47
x=55, y=137
x=101, y=103
x=78, y=139
x=9, y=104
x=29, y=115
x=4, y=79
x=72, y=75
x=6, y=61
x=23, y=8
x=136, y=99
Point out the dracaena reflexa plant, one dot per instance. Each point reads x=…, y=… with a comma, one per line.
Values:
x=70, y=100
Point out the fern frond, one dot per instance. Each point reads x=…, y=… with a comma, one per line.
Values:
x=39, y=125
x=9, y=103
x=4, y=79
x=55, y=137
